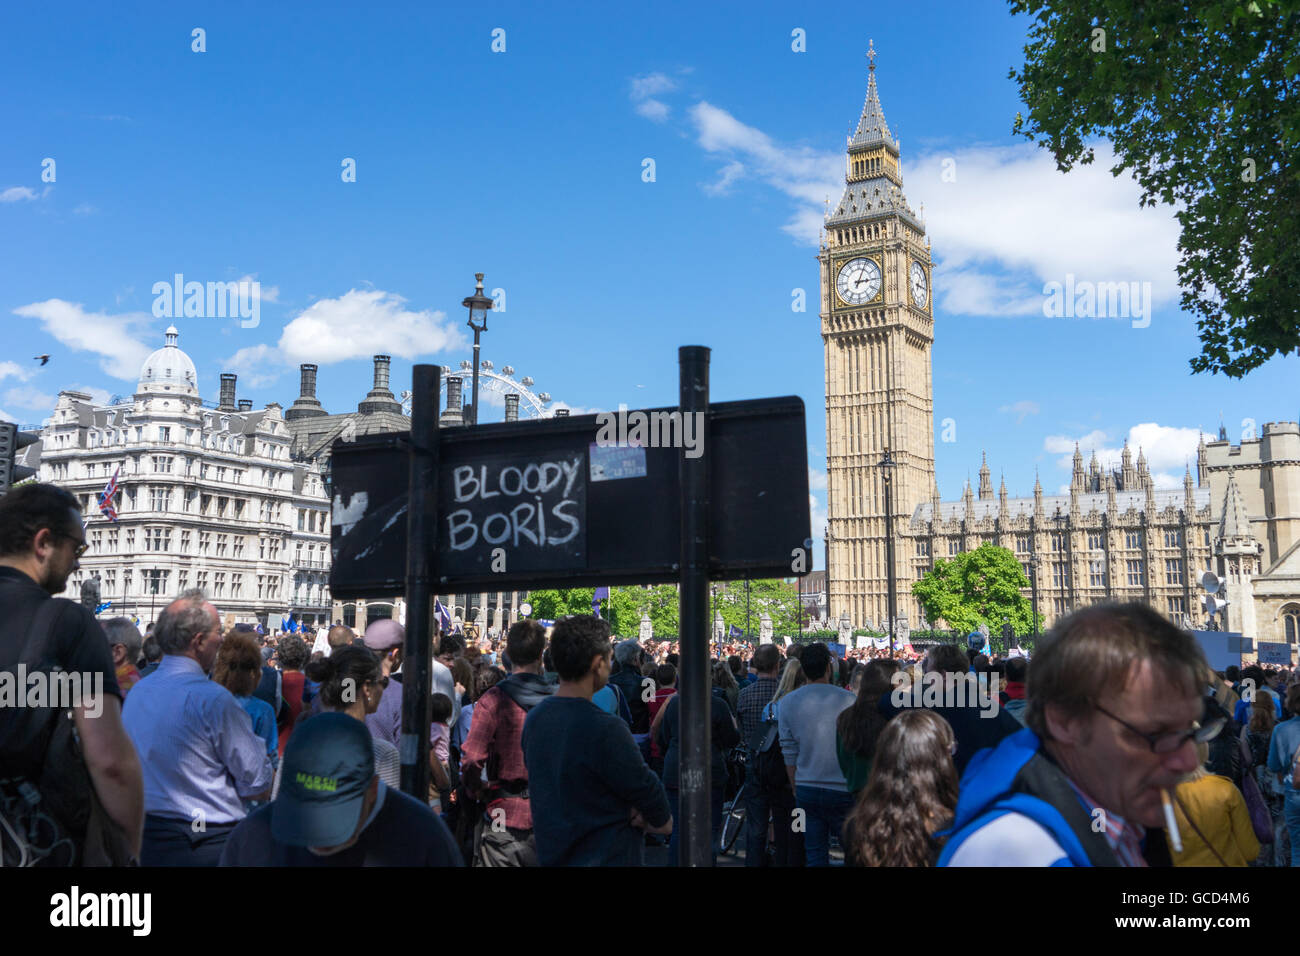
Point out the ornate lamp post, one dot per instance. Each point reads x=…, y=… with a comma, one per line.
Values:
x=886, y=466
x=479, y=305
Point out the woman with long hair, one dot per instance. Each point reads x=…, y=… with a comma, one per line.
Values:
x=858, y=727
x=1212, y=818
x=1258, y=735
x=911, y=794
x=238, y=669
x=724, y=683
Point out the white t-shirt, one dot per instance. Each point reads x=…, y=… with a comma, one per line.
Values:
x=1013, y=839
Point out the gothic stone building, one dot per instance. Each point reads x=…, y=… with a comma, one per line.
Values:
x=1113, y=536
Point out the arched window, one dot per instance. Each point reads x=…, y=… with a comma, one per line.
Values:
x=1291, y=623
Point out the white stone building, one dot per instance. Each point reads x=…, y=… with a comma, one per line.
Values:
x=208, y=497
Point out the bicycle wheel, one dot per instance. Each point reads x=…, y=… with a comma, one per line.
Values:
x=733, y=821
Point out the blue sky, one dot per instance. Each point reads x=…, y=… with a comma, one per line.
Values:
x=527, y=165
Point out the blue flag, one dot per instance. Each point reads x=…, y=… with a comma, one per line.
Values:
x=444, y=616
x=735, y=631
x=103, y=607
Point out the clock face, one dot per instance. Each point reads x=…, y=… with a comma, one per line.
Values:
x=858, y=281
x=920, y=291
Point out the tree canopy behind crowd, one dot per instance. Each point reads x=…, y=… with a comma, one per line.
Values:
x=976, y=587
x=1199, y=101
x=623, y=610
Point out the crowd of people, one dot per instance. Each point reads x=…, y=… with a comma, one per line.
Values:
x=208, y=744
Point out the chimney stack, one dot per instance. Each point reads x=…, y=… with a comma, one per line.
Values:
x=227, y=401
x=454, y=415
x=512, y=407
x=245, y=404
x=380, y=398
x=306, y=404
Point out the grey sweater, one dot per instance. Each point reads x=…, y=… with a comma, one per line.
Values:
x=806, y=718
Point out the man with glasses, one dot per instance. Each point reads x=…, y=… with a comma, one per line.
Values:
x=1113, y=715
x=41, y=538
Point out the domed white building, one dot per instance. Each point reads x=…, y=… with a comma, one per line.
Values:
x=208, y=497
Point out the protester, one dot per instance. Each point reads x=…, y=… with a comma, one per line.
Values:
x=1282, y=753
x=724, y=736
x=200, y=757
x=124, y=642
x=339, y=636
x=1112, y=716
x=334, y=810
x=386, y=638
x=858, y=727
x=753, y=700
x=591, y=791
x=352, y=682
x=492, y=761
x=627, y=679
x=292, y=652
x=1257, y=735
x=1013, y=694
x=807, y=727
x=911, y=795
x=724, y=685
x=152, y=654
x=976, y=717
x=450, y=647
x=1213, y=821
x=41, y=539
x=665, y=677
x=238, y=669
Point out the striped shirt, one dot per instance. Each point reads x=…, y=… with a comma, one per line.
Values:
x=196, y=745
x=1124, y=840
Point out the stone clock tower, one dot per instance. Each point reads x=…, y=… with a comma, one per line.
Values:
x=877, y=319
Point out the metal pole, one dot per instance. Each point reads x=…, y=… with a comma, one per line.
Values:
x=421, y=532
x=696, y=839
x=748, y=618
x=889, y=550
x=474, y=411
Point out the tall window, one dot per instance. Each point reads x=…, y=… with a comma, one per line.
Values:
x=1291, y=623
x=1022, y=544
x=1135, y=574
x=1095, y=540
x=164, y=433
x=1177, y=606
x=1058, y=541
x=1173, y=571
x=1058, y=574
x=1174, y=539
x=1097, y=574
x=185, y=542
x=159, y=498
x=1132, y=539
x=219, y=584
x=954, y=547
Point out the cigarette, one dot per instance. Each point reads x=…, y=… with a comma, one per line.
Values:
x=1171, y=824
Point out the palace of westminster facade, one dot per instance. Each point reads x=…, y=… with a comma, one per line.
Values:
x=1114, y=536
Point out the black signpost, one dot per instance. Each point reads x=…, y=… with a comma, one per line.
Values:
x=570, y=502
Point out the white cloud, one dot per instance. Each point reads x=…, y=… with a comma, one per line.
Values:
x=18, y=193
x=362, y=323
x=358, y=324
x=8, y=369
x=257, y=365
x=645, y=89
x=817, y=516
x=1020, y=410
x=263, y=293
x=816, y=479
x=1168, y=450
x=25, y=396
x=111, y=337
x=726, y=176
x=1008, y=222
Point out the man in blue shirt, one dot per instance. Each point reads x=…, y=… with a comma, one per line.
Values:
x=590, y=791
x=1281, y=757
x=199, y=754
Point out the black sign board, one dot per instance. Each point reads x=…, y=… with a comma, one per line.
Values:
x=564, y=502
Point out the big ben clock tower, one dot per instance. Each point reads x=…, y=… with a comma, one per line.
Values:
x=877, y=319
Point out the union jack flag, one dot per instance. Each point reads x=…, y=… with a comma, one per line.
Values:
x=107, y=496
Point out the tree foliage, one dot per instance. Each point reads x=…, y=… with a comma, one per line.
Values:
x=976, y=587
x=1199, y=101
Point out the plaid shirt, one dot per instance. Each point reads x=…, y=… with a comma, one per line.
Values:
x=753, y=698
x=494, y=743
x=1124, y=840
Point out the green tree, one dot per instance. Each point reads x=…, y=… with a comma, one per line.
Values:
x=976, y=587
x=779, y=598
x=1199, y=101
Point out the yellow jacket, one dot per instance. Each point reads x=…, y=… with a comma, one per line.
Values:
x=1219, y=810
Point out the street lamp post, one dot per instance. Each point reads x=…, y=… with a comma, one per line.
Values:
x=479, y=305
x=886, y=466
